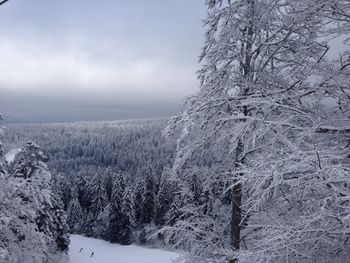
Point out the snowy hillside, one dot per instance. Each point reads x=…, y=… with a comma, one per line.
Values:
x=105, y=252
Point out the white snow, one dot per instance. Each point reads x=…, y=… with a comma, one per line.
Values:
x=105, y=252
x=10, y=156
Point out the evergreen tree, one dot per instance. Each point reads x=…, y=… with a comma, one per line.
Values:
x=101, y=226
x=128, y=217
x=138, y=202
x=164, y=199
x=28, y=161
x=109, y=177
x=37, y=216
x=60, y=225
x=148, y=205
x=82, y=190
x=75, y=216
x=115, y=213
x=88, y=224
x=34, y=188
x=62, y=188
x=98, y=195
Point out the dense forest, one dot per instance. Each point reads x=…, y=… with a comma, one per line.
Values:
x=112, y=177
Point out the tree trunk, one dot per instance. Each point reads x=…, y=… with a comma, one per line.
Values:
x=236, y=212
x=248, y=72
x=236, y=218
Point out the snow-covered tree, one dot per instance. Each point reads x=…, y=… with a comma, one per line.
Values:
x=164, y=198
x=33, y=222
x=128, y=217
x=259, y=112
x=148, y=205
x=88, y=224
x=28, y=161
x=115, y=213
x=101, y=227
x=62, y=188
x=138, y=201
x=98, y=194
x=75, y=216
x=33, y=186
x=82, y=188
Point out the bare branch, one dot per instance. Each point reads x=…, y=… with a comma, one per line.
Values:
x=3, y=2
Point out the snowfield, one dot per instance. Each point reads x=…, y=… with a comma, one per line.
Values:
x=105, y=252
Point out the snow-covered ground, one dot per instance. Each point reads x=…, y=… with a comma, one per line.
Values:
x=105, y=252
x=10, y=156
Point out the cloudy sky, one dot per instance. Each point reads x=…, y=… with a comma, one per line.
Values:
x=97, y=60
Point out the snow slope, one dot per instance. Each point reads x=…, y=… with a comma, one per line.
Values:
x=10, y=156
x=105, y=252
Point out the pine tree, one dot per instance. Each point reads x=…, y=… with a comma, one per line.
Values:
x=29, y=161
x=82, y=190
x=109, y=184
x=98, y=194
x=88, y=224
x=164, y=199
x=60, y=225
x=128, y=217
x=37, y=216
x=62, y=188
x=101, y=226
x=75, y=216
x=148, y=205
x=138, y=202
x=115, y=212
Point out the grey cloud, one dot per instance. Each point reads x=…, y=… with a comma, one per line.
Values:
x=84, y=59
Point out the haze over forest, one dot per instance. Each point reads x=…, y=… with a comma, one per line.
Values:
x=97, y=60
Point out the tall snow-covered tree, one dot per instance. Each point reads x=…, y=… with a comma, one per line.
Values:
x=75, y=216
x=82, y=187
x=62, y=188
x=33, y=187
x=98, y=194
x=258, y=112
x=88, y=224
x=164, y=198
x=128, y=217
x=32, y=217
x=28, y=161
x=138, y=201
x=115, y=213
x=148, y=205
x=101, y=226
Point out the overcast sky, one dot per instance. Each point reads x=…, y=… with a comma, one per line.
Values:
x=97, y=60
